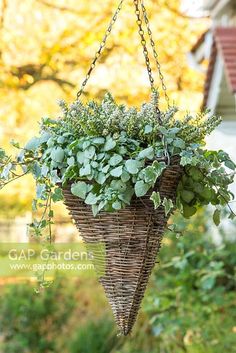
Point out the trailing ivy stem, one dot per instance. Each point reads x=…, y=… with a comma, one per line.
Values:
x=50, y=217
x=13, y=179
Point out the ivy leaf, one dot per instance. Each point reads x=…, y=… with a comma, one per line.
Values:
x=163, y=130
x=45, y=137
x=54, y=177
x=71, y=161
x=141, y=188
x=132, y=166
x=91, y=199
x=109, y=145
x=223, y=156
x=99, y=140
x=146, y=153
x=117, y=205
x=79, y=189
x=14, y=144
x=101, y=178
x=44, y=170
x=51, y=214
x=57, y=154
x=116, y=172
x=89, y=152
x=148, y=129
x=101, y=205
x=86, y=144
x=34, y=205
x=100, y=156
x=61, y=139
x=208, y=281
x=118, y=185
x=216, y=217
x=156, y=198
x=122, y=150
x=95, y=210
x=187, y=157
x=168, y=205
x=94, y=164
x=179, y=143
x=32, y=144
x=6, y=171
x=2, y=154
x=232, y=216
x=188, y=211
x=149, y=174
x=187, y=195
x=127, y=195
x=57, y=195
x=105, y=169
x=230, y=164
x=115, y=159
x=80, y=157
x=84, y=171
x=207, y=193
x=36, y=170
x=198, y=188
x=159, y=167
x=40, y=191
x=196, y=174
x=125, y=176
x=173, y=130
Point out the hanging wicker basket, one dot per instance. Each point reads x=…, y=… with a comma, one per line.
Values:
x=132, y=239
x=132, y=236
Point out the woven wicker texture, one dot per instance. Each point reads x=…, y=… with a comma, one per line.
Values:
x=132, y=239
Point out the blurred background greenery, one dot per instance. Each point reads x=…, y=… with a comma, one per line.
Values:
x=45, y=50
x=189, y=305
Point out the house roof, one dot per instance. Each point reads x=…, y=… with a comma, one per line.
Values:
x=224, y=43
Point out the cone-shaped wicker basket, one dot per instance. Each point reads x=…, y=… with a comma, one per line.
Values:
x=132, y=238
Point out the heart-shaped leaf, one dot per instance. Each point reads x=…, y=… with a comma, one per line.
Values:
x=141, y=188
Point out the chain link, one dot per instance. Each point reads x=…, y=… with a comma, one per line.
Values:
x=155, y=54
x=99, y=51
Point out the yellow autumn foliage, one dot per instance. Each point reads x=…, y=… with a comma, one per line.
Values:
x=45, y=51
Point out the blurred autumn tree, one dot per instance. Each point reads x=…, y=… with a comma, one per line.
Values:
x=46, y=47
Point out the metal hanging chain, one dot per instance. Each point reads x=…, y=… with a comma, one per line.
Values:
x=145, y=52
x=148, y=64
x=144, y=43
x=102, y=45
x=155, y=54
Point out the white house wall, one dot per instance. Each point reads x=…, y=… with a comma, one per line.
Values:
x=226, y=105
x=214, y=91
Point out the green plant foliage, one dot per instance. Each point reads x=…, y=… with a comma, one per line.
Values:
x=190, y=304
x=31, y=322
x=108, y=153
x=97, y=336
